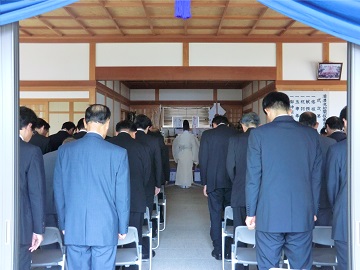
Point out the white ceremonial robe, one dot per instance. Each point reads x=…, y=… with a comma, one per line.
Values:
x=185, y=150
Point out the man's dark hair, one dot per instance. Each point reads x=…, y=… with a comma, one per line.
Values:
x=97, y=113
x=343, y=114
x=42, y=123
x=323, y=131
x=308, y=119
x=68, y=125
x=186, y=125
x=80, y=124
x=220, y=119
x=250, y=119
x=276, y=100
x=125, y=125
x=142, y=121
x=334, y=122
x=27, y=116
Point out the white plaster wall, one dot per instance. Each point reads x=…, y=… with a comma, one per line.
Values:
x=100, y=98
x=138, y=54
x=54, y=94
x=255, y=106
x=54, y=61
x=232, y=54
x=229, y=94
x=110, y=105
x=255, y=86
x=262, y=84
x=247, y=107
x=117, y=86
x=185, y=94
x=124, y=91
x=338, y=53
x=142, y=94
x=110, y=84
x=300, y=60
x=337, y=101
x=247, y=91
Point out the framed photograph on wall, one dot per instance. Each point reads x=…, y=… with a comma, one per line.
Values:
x=329, y=71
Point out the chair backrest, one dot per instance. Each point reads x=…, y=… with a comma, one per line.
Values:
x=322, y=235
x=228, y=213
x=147, y=214
x=131, y=236
x=156, y=201
x=243, y=234
x=52, y=235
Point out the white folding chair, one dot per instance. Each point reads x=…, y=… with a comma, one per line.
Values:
x=129, y=256
x=243, y=255
x=323, y=256
x=49, y=257
x=162, y=204
x=156, y=215
x=147, y=232
x=226, y=231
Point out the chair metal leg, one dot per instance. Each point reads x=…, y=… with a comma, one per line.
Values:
x=223, y=246
x=163, y=204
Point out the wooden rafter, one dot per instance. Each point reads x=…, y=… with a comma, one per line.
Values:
x=49, y=26
x=148, y=17
x=314, y=32
x=25, y=32
x=262, y=13
x=185, y=27
x=287, y=28
x=68, y=11
x=222, y=17
x=107, y=11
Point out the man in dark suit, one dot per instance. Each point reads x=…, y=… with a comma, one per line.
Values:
x=39, y=137
x=283, y=183
x=140, y=168
x=334, y=126
x=324, y=216
x=92, y=194
x=143, y=123
x=57, y=139
x=32, y=190
x=236, y=168
x=217, y=185
x=336, y=175
x=80, y=128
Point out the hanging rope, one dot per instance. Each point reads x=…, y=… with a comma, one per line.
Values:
x=183, y=9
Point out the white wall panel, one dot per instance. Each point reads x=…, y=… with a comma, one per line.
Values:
x=255, y=106
x=116, y=114
x=124, y=107
x=229, y=94
x=300, y=60
x=139, y=54
x=247, y=107
x=247, y=91
x=117, y=86
x=262, y=84
x=338, y=53
x=54, y=61
x=262, y=115
x=124, y=91
x=142, y=94
x=54, y=94
x=110, y=105
x=185, y=94
x=232, y=54
x=100, y=98
x=337, y=101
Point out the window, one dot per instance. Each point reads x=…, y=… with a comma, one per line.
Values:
x=186, y=113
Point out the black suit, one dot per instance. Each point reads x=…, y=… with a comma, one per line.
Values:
x=338, y=136
x=140, y=167
x=212, y=156
x=57, y=139
x=32, y=198
x=164, y=156
x=41, y=141
x=79, y=135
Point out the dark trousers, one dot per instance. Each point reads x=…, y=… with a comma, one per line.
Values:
x=341, y=254
x=297, y=247
x=324, y=217
x=217, y=201
x=91, y=257
x=239, y=215
x=24, y=257
x=145, y=241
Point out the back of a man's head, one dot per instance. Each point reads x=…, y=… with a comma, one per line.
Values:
x=277, y=101
x=80, y=124
x=97, y=113
x=334, y=123
x=220, y=119
x=142, y=121
x=308, y=119
x=42, y=123
x=343, y=114
x=186, y=125
x=68, y=125
x=250, y=119
x=125, y=125
x=27, y=116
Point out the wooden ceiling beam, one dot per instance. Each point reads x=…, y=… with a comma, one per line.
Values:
x=148, y=18
x=287, y=28
x=262, y=13
x=25, y=32
x=222, y=17
x=111, y=17
x=314, y=32
x=49, y=26
x=72, y=15
x=185, y=27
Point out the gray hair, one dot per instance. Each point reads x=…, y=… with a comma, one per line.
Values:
x=250, y=119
